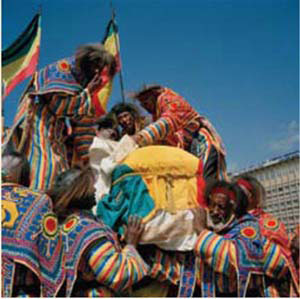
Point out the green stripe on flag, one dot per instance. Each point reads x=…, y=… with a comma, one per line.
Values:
x=110, y=30
x=27, y=36
x=21, y=52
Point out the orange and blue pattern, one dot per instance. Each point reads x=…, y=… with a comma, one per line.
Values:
x=93, y=254
x=220, y=255
x=118, y=270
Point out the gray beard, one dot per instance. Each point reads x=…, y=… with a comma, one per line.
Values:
x=217, y=227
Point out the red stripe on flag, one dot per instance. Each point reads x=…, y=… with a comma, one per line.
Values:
x=118, y=62
x=98, y=108
x=105, y=78
x=26, y=72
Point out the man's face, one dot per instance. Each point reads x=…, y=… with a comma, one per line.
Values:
x=219, y=208
x=126, y=121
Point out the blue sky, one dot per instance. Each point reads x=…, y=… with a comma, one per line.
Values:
x=235, y=61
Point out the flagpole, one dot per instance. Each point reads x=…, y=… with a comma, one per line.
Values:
x=113, y=14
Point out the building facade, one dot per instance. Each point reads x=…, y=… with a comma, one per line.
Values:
x=280, y=177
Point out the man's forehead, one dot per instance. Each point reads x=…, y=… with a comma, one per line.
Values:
x=124, y=113
x=219, y=197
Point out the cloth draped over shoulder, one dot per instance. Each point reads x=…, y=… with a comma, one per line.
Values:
x=30, y=236
x=160, y=184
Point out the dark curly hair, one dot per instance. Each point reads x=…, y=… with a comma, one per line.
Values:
x=122, y=107
x=91, y=56
x=73, y=188
x=146, y=89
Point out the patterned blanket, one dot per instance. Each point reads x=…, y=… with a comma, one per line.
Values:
x=30, y=236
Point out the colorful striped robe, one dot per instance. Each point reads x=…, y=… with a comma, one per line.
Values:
x=96, y=265
x=275, y=231
x=176, y=123
x=52, y=99
x=238, y=260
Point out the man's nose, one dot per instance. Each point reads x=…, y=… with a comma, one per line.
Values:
x=216, y=210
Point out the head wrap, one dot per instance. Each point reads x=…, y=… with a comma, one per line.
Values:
x=246, y=187
x=224, y=191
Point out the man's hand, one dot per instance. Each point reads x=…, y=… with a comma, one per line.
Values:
x=95, y=83
x=134, y=230
x=199, y=219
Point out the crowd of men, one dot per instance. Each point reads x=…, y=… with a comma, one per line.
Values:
x=52, y=243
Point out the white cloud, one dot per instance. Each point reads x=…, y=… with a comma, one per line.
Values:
x=290, y=138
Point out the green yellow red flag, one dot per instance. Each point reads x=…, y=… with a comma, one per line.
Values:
x=112, y=45
x=19, y=60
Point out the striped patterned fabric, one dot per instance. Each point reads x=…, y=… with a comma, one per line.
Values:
x=19, y=61
x=45, y=149
x=52, y=100
x=178, y=124
x=220, y=255
x=226, y=257
x=232, y=258
x=83, y=133
x=117, y=270
x=94, y=258
x=275, y=231
x=165, y=266
x=275, y=265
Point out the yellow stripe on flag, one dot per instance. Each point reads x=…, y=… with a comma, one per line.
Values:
x=12, y=69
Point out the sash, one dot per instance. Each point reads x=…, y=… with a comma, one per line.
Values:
x=188, y=277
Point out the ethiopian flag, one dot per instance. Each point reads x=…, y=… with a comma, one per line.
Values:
x=19, y=61
x=111, y=42
x=112, y=45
